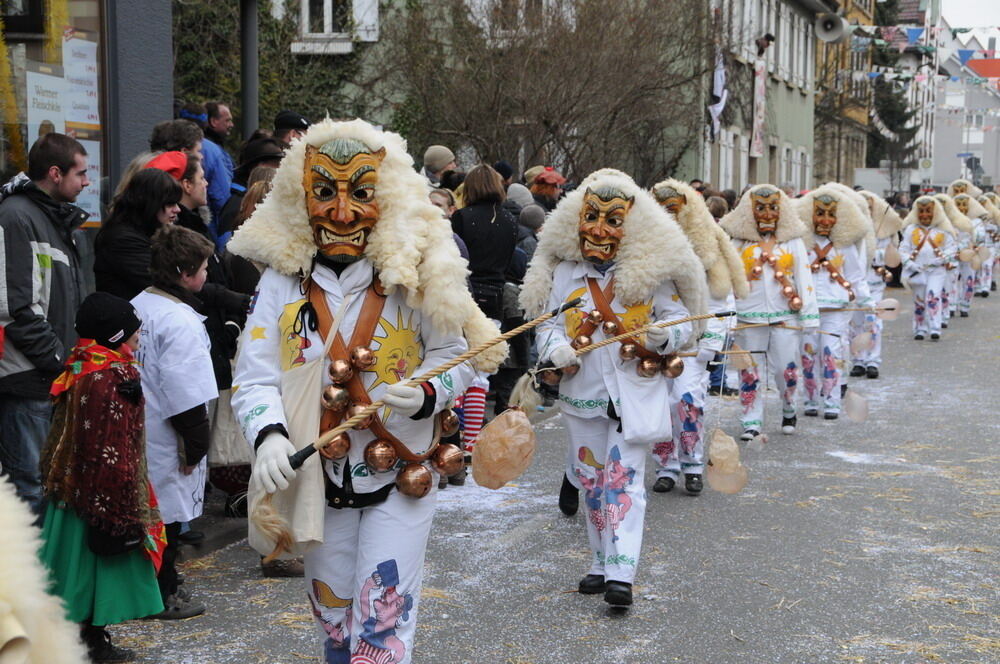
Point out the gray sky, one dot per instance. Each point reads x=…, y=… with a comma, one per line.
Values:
x=971, y=13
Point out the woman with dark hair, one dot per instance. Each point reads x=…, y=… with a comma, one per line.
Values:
x=122, y=252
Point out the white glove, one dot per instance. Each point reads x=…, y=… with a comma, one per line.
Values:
x=704, y=356
x=404, y=398
x=656, y=337
x=564, y=356
x=272, y=464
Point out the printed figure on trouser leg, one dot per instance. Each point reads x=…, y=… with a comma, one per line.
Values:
x=835, y=259
x=329, y=332
x=972, y=245
x=684, y=454
x=927, y=248
x=767, y=234
x=611, y=245
x=991, y=229
x=964, y=232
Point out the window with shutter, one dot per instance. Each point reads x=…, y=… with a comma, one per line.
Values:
x=330, y=27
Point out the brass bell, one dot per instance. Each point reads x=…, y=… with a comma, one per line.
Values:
x=610, y=328
x=795, y=303
x=834, y=274
x=756, y=271
x=788, y=291
x=362, y=358
x=628, y=351
x=354, y=410
x=380, y=456
x=595, y=317
x=340, y=371
x=765, y=256
x=550, y=376
x=580, y=341
x=779, y=274
x=814, y=267
x=673, y=366
x=824, y=262
x=447, y=459
x=850, y=295
x=335, y=398
x=414, y=480
x=449, y=422
x=337, y=448
x=772, y=260
x=648, y=367
x=570, y=370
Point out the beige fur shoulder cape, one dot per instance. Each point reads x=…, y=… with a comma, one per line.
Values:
x=411, y=246
x=940, y=219
x=653, y=250
x=739, y=222
x=887, y=220
x=971, y=188
x=958, y=220
x=871, y=244
x=851, y=226
x=990, y=208
x=723, y=267
x=976, y=209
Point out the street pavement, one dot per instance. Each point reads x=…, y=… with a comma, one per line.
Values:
x=874, y=542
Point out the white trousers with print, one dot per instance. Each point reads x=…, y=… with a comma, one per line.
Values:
x=867, y=321
x=927, y=308
x=950, y=303
x=685, y=452
x=612, y=476
x=823, y=360
x=984, y=277
x=780, y=347
x=363, y=582
x=966, y=286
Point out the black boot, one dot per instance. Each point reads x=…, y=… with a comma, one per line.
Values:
x=99, y=646
x=693, y=483
x=618, y=593
x=592, y=584
x=872, y=372
x=569, y=498
x=663, y=485
x=857, y=371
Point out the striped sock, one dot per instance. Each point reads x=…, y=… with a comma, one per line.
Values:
x=474, y=412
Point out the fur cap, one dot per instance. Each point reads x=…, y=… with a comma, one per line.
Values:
x=972, y=189
x=851, y=226
x=990, y=208
x=411, y=247
x=653, y=250
x=740, y=224
x=722, y=264
x=976, y=209
x=958, y=220
x=887, y=221
x=940, y=219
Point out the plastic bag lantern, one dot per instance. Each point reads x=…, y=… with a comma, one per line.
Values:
x=725, y=472
x=504, y=449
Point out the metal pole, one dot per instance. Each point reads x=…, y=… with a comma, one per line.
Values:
x=249, y=67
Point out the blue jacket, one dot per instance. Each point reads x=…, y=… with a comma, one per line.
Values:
x=218, y=167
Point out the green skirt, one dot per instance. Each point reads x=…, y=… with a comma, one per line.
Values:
x=100, y=589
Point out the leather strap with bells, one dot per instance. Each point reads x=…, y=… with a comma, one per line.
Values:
x=603, y=303
x=364, y=331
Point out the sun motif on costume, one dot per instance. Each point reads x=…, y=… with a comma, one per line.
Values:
x=837, y=261
x=574, y=316
x=292, y=344
x=636, y=315
x=399, y=352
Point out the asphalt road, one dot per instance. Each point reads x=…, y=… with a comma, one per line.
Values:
x=874, y=542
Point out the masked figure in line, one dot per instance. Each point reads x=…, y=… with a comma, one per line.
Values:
x=991, y=228
x=868, y=360
x=768, y=235
x=838, y=269
x=927, y=248
x=963, y=227
x=358, y=296
x=971, y=245
x=611, y=244
x=726, y=281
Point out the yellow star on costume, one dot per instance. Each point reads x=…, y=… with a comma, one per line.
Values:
x=809, y=288
x=258, y=334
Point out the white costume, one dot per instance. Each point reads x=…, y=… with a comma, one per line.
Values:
x=359, y=520
x=771, y=302
x=613, y=414
x=971, y=239
x=925, y=251
x=991, y=240
x=963, y=231
x=840, y=281
x=685, y=452
x=177, y=376
x=887, y=225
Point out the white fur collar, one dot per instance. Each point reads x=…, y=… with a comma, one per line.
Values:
x=851, y=226
x=940, y=219
x=740, y=224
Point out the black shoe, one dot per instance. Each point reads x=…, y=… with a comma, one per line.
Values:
x=986, y=293
x=857, y=371
x=811, y=412
x=918, y=337
x=749, y=434
x=729, y=391
x=100, y=649
x=663, y=485
x=693, y=483
x=944, y=326
x=935, y=336
x=191, y=537
x=592, y=584
x=788, y=425
x=964, y=314
x=714, y=390
x=843, y=390
x=175, y=608
x=618, y=593
x=872, y=372
x=993, y=285
x=830, y=416
x=458, y=479
x=569, y=498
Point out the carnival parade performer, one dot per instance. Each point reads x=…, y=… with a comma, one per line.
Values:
x=685, y=452
x=362, y=289
x=975, y=242
x=838, y=266
x=868, y=361
x=984, y=277
x=767, y=233
x=927, y=247
x=612, y=245
x=962, y=233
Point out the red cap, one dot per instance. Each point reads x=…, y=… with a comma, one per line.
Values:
x=172, y=163
x=550, y=176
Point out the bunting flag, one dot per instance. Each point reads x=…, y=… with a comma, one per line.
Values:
x=913, y=35
x=965, y=54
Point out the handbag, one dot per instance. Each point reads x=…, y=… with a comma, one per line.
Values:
x=106, y=544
